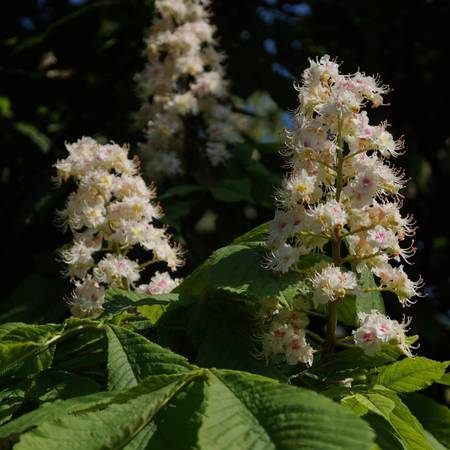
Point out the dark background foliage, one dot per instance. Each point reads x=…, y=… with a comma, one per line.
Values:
x=87, y=88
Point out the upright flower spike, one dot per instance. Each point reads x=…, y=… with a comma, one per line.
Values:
x=342, y=191
x=111, y=211
x=183, y=90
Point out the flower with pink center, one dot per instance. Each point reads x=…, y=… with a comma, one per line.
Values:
x=376, y=329
x=116, y=270
x=331, y=284
x=161, y=283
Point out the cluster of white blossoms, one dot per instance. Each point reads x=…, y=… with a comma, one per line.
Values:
x=110, y=212
x=184, y=93
x=343, y=194
x=285, y=336
x=376, y=329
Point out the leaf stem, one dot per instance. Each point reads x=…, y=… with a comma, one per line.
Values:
x=362, y=258
x=315, y=336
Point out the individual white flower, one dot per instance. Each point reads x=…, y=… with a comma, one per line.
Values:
x=79, y=257
x=183, y=104
x=133, y=207
x=385, y=143
x=87, y=298
x=298, y=350
x=396, y=280
x=217, y=152
x=172, y=8
x=299, y=187
x=282, y=258
x=380, y=238
x=376, y=329
x=128, y=186
x=330, y=215
x=171, y=254
x=115, y=270
x=331, y=283
x=210, y=83
x=161, y=283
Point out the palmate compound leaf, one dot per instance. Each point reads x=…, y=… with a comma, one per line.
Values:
x=350, y=361
x=411, y=374
x=238, y=270
x=117, y=300
x=388, y=406
x=225, y=335
x=25, y=349
x=202, y=409
x=432, y=415
x=132, y=357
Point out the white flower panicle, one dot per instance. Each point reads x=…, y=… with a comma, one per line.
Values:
x=342, y=192
x=341, y=185
x=183, y=87
x=376, y=329
x=111, y=211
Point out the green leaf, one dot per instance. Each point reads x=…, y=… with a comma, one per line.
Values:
x=386, y=437
x=237, y=269
x=204, y=409
x=33, y=300
x=11, y=398
x=347, y=313
x=25, y=349
x=372, y=402
x=117, y=300
x=131, y=357
x=388, y=405
x=435, y=444
x=366, y=301
x=223, y=333
x=106, y=426
x=434, y=417
x=407, y=426
x=231, y=190
x=277, y=416
x=52, y=411
x=5, y=107
x=445, y=380
x=345, y=363
x=36, y=136
x=411, y=374
x=351, y=305
x=51, y=385
x=257, y=234
x=181, y=190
